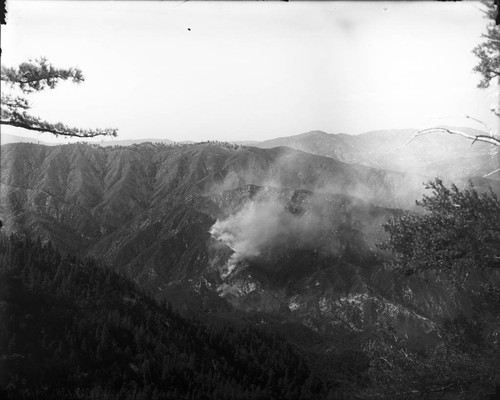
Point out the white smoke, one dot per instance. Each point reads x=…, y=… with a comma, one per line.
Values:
x=247, y=231
x=264, y=222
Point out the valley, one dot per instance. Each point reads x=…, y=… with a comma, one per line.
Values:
x=250, y=200
x=283, y=239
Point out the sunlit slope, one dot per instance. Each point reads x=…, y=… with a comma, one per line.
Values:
x=432, y=154
x=90, y=192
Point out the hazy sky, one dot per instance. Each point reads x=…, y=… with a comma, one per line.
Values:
x=252, y=70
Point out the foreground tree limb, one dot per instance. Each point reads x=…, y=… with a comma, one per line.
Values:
x=488, y=52
x=36, y=124
x=459, y=232
x=35, y=76
x=475, y=138
x=491, y=173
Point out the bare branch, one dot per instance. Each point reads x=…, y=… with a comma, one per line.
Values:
x=482, y=123
x=491, y=173
x=480, y=138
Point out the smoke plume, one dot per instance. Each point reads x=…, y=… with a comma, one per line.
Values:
x=270, y=220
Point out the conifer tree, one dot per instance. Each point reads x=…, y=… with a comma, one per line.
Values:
x=488, y=54
x=35, y=76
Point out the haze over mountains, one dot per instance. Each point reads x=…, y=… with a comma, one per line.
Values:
x=180, y=212
x=438, y=153
x=7, y=138
x=433, y=154
x=286, y=230
x=97, y=190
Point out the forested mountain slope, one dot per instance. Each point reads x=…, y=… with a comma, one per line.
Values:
x=118, y=202
x=280, y=238
x=74, y=329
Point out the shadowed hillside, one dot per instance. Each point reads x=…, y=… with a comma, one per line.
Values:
x=78, y=195
x=280, y=238
x=55, y=345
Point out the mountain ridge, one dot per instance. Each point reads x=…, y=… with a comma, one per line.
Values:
x=389, y=149
x=396, y=151
x=281, y=237
x=142, y=206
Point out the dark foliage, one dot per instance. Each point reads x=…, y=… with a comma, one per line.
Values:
x=35, y=76
x=456, y=241
x=457, y=368
x=39, y=75
x=487, y=52
x=73, y=329
x=459, y=232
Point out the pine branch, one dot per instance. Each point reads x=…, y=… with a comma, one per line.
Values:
x=11, y=102
x=492, y=73
x=36, y=76
x=26, y=121
x=491, y=38
x=33, y=77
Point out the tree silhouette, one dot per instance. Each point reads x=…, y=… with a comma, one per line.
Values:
x=488, y=53
x=35, y=76
x=460, y=232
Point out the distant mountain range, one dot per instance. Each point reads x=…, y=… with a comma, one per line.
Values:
x=163, y=214
x=131, y=142
x=278, y=235
x=216, y=226
x=435, y=154
x=7, y=138
x=92, y=191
